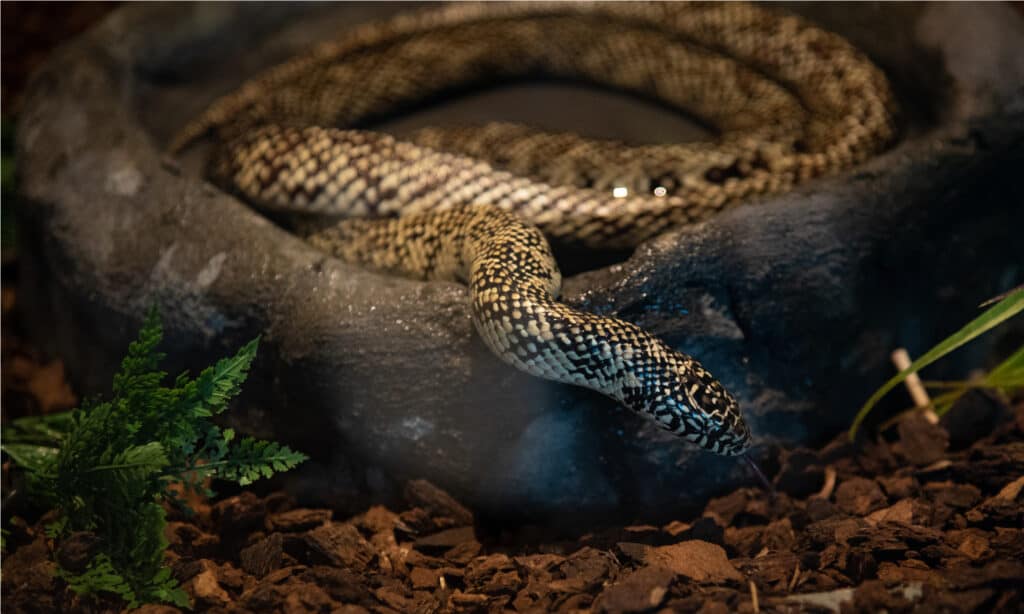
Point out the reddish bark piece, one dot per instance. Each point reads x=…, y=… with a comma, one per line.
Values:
x=28, y=579
x=676, y=527
x=630, y=551
x=774, y=569
x=891, y=573
x=1005, y=508
x=955, y=496
x=463, y=553
x=233, y=579
x=264, y=556
x=902, y=511
x=343, y=585
x=859, y=496
x=298, y=520
x=415, y=558
x=995, y=573
x=459, y=600
x=779, y=536
x=392, y=597
x=418, y=521
x=897, y=538
x=1012, y=491
x=303, y=597
x=975, y=547
x=208, y=591
x=922, y=442
x=538, y=562
x=502, y=582
x=640, y=591
x=289, y=596
x=422, y=577
x=586, y=568
x=482, y=572
x=187, y=539
x=899, y=487
x=731, y=506
x=379, y=519
x=820, y=509
x=443, y=540
x=834, y=529
x=745, y=541
x=339, y=544
x=238, y=515
x=437, y=503
x=697, y=560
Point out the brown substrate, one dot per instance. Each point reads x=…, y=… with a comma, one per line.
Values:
x=902, y=525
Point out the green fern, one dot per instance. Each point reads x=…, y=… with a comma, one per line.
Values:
x=107, y=465
x=100, y=576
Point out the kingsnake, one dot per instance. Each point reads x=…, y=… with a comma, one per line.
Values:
x=788, y=100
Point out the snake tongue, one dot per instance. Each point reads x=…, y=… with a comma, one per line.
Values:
x=760, y=474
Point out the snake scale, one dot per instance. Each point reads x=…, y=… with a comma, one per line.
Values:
x=788, y=101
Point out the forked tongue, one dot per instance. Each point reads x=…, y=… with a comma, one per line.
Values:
x=760, y=475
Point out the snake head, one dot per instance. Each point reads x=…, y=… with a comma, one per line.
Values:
x=691, y=403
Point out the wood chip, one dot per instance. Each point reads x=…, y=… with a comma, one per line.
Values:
x=698, y=560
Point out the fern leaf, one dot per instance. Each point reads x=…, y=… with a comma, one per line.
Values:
x=100, y=577
x=252, y=459
x=217, y=385
x=142, y=358
x=106, y=467
x=132, y=468
x=37, y=459
x=48, y=430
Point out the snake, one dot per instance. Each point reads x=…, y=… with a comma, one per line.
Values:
x=787, y=101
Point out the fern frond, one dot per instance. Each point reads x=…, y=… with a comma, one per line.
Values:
x=217, y=385
x=252, y=459
x=107, y=465
x=100, y=577
x=142, y=359
x=48, y=430
x=40, y=460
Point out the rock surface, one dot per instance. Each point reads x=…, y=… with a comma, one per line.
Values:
x=794, y=302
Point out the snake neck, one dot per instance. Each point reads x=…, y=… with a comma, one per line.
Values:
x=513, y=281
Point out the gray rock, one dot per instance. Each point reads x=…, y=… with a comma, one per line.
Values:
x=794, y=302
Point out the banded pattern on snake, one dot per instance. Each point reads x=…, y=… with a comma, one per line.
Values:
x=790, y=102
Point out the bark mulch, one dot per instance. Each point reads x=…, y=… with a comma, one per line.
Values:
x=928, y=520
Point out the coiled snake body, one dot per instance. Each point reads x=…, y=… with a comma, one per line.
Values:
x=790, y=102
